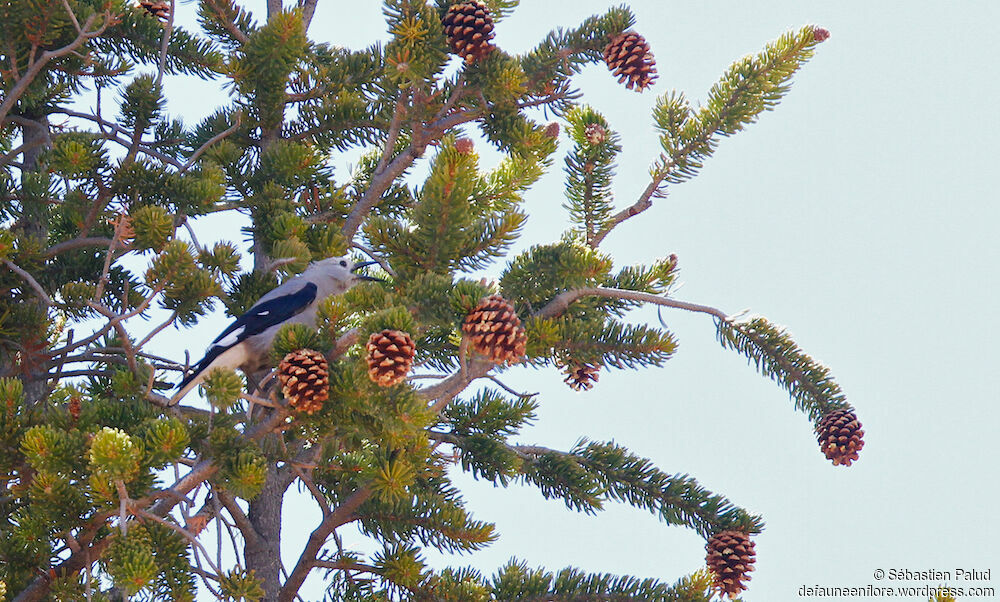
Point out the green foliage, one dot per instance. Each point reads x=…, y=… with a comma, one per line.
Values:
x=66, y=450
x=131, y=561
x=114, y=455
x=248, y=288
x=142, y=102
x=515, y=581
x=563, y=53
x=50, y=449
x=590, y=169
x=292, y=337
x=11, y=391
x=267, y=59
x=459, y=221
x=222, y=261
x=238, y=585
x=394, y=318
x=165, y=441
x=416, y=53
x=187, y=289
x=243, y=473
x=153, y=228
x=752, y=85
x=491, y=414
x=223, y=388
x=776, y=356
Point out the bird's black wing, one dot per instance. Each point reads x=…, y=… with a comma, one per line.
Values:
x=260, y=317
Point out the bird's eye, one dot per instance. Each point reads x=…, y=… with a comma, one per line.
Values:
x=343, y=263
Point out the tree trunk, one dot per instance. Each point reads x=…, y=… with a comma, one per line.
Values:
x=264, y=556
x=34, y=223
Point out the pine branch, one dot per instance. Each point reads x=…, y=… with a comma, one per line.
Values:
x=748, y=88
x=591, y=473
x=35, y=67
x=769, y=348
x=779, y=358
x=31, y=282
x=515, y=582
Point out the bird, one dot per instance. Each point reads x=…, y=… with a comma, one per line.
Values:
x=246, y=342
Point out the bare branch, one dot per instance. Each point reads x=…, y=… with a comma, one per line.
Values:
x=645, y=202
x=30, y=280
x=29, y=76
x=168, y=29
x=72, y=16
x=381, y=262
x=73, y=244
x=177, y=528
x=211, y=141
x=343, y=514
x=344, y=565
x=308, y=10
x=157, y=330
x=242, y=521
x=394, y=127
x=116, y=239
x=443, y=392
x=562, y=302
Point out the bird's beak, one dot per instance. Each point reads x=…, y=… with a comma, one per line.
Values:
x=362, y=276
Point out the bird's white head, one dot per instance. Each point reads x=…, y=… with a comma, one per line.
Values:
x=338, y=273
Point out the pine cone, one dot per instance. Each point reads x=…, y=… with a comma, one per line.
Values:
x=840, y=436
x=74, y=407
x=581, y=377
x=629, y=58
x=469, y=28
x=305, y=379
x=390, y=356
x=158, y=8
x=495, y=330
x=730, y=556
x=595, y=133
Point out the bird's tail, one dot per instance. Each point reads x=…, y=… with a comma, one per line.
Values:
x=185, y=387
x=190, y=381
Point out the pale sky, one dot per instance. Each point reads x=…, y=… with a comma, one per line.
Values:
x=859, y=214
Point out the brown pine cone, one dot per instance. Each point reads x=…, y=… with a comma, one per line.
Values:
x=390, y=356
x=730, y=556
x=629, y=59
x=158, y=8
x=840, y=436
x=305, y=379
x=495, y=330
x=469, y=28
x=581, y=377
